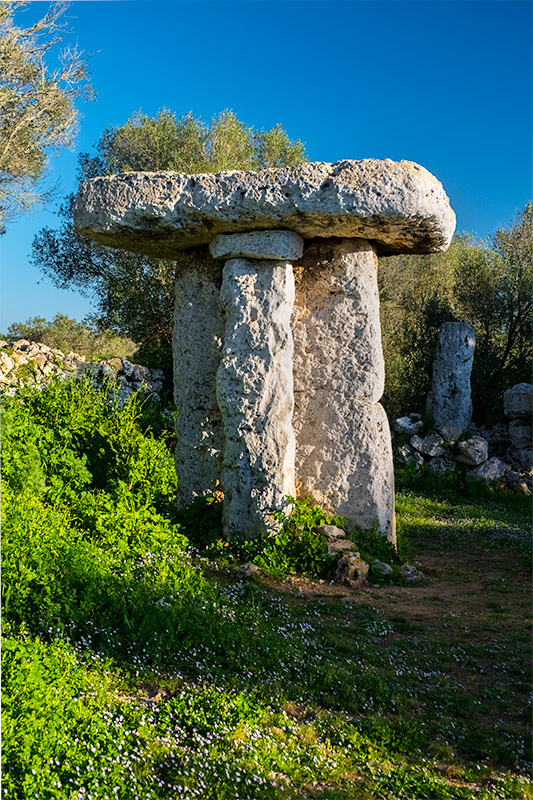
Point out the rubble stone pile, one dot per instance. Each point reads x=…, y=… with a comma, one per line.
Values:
x=24, y=362
x=503, y=453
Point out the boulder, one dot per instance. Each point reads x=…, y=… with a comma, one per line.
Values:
x=352, y=570
x=331, y=532
x=407, y=425
x=473, y=451
x=431, y=445
x=340, y=546
x=410, y=575
x=491, y=470
x=380, y=569
x=518, y=401
x=400, y=206
x=450, y=431
x=520, y=433
x=440, y=464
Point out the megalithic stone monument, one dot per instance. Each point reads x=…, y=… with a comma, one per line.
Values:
x=277, y=347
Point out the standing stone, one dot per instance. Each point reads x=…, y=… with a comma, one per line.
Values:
x=197, y=344
x=343, y=453
x=449, y=399
x=255, y=393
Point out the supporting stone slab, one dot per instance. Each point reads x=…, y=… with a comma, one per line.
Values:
x=343, y=451
x=269, y=245
x=255, y=393
x=198, y=335
x=344, y=460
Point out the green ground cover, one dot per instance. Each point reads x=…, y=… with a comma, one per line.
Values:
x=138, y=663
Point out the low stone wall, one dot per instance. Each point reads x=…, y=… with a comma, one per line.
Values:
x=24, y=362
x=502, y=454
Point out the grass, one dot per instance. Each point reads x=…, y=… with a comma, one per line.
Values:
x=136, y=665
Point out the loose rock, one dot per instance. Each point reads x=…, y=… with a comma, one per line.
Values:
x=474, y=451
x=352, y=570
x=518, y=401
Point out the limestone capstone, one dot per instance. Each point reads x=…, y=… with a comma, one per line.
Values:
x=399, y=206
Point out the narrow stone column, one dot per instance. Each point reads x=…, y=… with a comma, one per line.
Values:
x=255, y=388
x=343, y=447
x=449, y=400
x=197, y=345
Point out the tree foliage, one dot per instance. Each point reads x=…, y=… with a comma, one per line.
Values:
x=69, y=335
x=134, y=293
x=37, y=104
x=487, y=283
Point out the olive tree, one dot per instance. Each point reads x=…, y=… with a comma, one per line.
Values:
x=38, y=114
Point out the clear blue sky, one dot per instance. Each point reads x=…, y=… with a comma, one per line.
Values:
x=444, y=83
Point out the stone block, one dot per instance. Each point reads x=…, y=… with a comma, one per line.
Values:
x=400, y=206
x=449, y=399
x=263, y=245
x=518, y=401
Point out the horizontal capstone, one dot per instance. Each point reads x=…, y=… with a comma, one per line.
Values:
x=398, y=206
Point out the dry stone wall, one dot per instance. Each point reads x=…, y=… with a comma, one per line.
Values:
x=25, y=363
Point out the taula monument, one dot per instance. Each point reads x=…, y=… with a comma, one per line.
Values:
x=278, y=366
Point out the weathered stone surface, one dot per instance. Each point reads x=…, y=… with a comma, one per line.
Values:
x=518, y=401
x=450, y=431
x=398, y=205
x=449, y=399
x=197, y=344
x=331, y=532
x=473, y=452
x=340, y=546
x=491, y=470
x=344, y=459
x=430, y=445
x=336, y=325
x=381, y=569
x=343, y=453
x=255, y=393
x=520, y=433
x=410, y=575
x=522, y=457
x=407, y=425
x=264, y=245
x=352, y=570
x=440, y=464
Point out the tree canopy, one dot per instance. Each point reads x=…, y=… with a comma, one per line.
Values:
x=38, y=114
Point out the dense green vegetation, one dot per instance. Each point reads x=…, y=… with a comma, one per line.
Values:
x=487, y=283
x=138, y=664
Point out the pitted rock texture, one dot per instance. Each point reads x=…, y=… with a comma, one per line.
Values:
x=399, y=206
x=343, y=449
x=198, y=335
x=344, y=459
x=449, y=399
x=269, y=245
x=336, y=325
x=255, y=393
x=518, y=401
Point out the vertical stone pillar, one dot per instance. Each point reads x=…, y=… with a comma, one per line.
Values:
x=343, y=447
x=197, y=344
x=255, y=383
x=449, y=400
